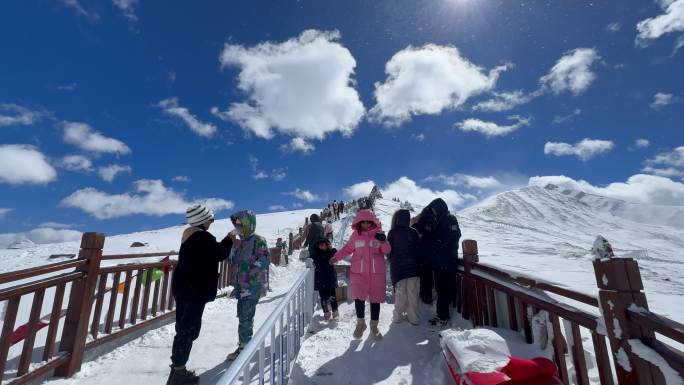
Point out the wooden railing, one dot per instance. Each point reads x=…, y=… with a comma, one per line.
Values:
x=490, y=297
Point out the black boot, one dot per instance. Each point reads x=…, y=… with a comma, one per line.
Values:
x=182, y=377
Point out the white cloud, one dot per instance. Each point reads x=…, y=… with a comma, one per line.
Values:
x=150, y=197
x=170, y=107
x=127, y=7
x=24, y=164
x=662, y=99
x=564, y=118
x=642, y=143
x=428, y=80
x=297, y=205
x=14, y=114
x=84, y=137
x=585, y=149
x=638, y=188
x=108, y=173
x=180, y=178
x=654, y=27
x=614, y=27
x=302, y=87
x=418, y=137
x=298, y=144
x=667, y=164
x=358, y=190
x=276, y=208
x=3, y=212
x=40, y=235
x=57, y=225
x=278, y=174
x=504, y=101
x=465, y=180
x=80, y=10
x=67, y=87
x=572, y=72
x=405, y=188
x=490, y=129
x=678, y=46
x=76, y=163
x=304, y=195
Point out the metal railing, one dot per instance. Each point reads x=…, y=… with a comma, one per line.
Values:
x=286, y=327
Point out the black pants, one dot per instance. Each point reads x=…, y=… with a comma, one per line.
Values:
x=328, y=299
x=188, y=325
x=445, y=280
x=426, y=284
x=361, y=309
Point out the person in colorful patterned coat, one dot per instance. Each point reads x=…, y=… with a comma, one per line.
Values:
x=249, y=261
x=368, y=246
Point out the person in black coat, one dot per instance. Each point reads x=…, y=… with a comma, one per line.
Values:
x=424, y=224
x=195, y=281
x=314, y=232
x=325, y=279
x=404, y=267
x=444, y=258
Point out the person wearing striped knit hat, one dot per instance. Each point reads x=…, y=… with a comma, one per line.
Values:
x=194, y=284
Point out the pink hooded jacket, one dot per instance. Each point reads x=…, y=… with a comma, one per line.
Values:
x=368, y=271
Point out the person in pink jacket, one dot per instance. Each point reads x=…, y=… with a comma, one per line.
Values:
x=368, y=246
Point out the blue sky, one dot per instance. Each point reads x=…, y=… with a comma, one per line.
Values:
x=283, y=104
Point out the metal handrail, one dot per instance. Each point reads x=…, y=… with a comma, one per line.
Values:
x=297, y=309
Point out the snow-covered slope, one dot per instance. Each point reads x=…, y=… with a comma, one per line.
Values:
x=270, y=226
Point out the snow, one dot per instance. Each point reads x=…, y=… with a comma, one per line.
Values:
x=477, y=350
x=672, y=377
x=623, y=360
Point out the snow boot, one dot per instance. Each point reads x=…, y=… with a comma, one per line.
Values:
x=182, y=377
x=335, y=316
x=234, y=355
x=438, y=323
x=360, y=328
x=326, y=316
x=374, y=332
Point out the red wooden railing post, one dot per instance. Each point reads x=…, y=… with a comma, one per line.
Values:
x=80, y=301
x=470, y=257
x=620, y=287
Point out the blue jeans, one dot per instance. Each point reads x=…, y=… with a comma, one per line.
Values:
x=246, y=307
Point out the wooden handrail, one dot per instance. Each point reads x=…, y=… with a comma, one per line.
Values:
x=568, y=312
x=533, y=283
x=142, y=255
x=37, y=285
x=657, y=323
x=136, y=266
x=39, y=270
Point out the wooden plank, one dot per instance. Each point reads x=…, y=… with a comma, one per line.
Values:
x=131, y=329
x=602, y=359
x=559, y=348
x=124, y=300
x=31, y=287
x=40, y=270
x=113, y=296
x=580, y=364
x=491, y=302
x=97, y=313
x=658, y=323
x=165, y=291
x=30, y=340
x=7, y=330
x=482, y=304
x=49, y=350
x=512, y=314
x=141, y=255
x=172, y=299
x=136, y=298
x=155, y=298
x=146, y=294
x=33, y=375
x=527, y=325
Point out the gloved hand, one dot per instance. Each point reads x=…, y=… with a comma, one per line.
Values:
x=380, y=236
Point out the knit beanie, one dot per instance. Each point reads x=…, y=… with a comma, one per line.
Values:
x=197, y=214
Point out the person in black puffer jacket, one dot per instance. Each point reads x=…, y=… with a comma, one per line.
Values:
x=444, y=258
x=314, y=232
x=424, y=225
x=404, y=267
x=194, y=283
x=325, y=279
